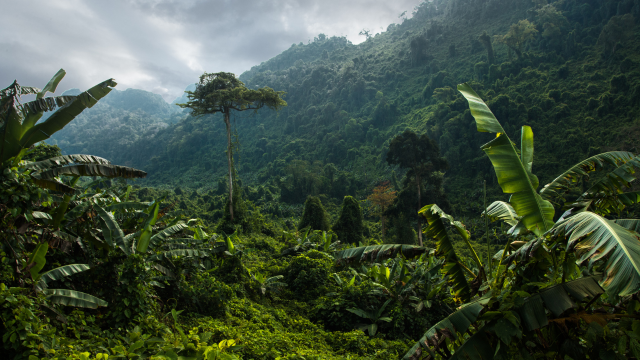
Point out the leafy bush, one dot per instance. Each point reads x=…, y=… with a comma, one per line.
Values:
x=307, y=274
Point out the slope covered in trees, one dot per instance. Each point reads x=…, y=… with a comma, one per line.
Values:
x=567, y=68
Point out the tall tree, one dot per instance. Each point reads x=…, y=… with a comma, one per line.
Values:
x=221, y=93
x=421, y=156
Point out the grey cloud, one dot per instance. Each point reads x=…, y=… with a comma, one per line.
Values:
x=164, y=45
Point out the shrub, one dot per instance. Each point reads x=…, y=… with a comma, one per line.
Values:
x=349, y=225
x=307, y=274
x=314, y=215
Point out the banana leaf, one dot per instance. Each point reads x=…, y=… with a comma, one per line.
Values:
x=458, y=322
x=500, y=210
x=436, y=219
x=111, y=231
x=596, y=238
x=54, y=185
x=66, y=160
x=59, y=273
x=37, y=260
x=108, y=171
x=557, y=300
x=581, y=169
x=174, y=253
x=514, y=172
x=377, y=253
x=73, y=298
x=164, y=234
x=64, y=115
x=52, y=85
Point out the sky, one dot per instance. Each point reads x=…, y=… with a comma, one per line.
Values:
x=164, y=45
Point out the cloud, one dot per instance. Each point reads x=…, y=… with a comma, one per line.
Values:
x=164, y=45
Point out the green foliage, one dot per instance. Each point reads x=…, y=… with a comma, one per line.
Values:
x=314, y=216
x=349, y=226
x=307, y=274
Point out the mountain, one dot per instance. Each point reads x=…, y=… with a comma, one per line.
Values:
x=115, y=123
x=574, y=79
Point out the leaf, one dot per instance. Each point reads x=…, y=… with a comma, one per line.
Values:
x=112, y=232
x=458, y=322
x=595, y=238
x=147, y=230
x=174, y=253
x=500, y=210
x=63, y=115
x=444, y=247
x=377, y=253
x=66, y=160
x=485, y=120
x=73, y=298
x=52, y=84
x=54, y=185
x=37, y=260
x=536, y=213
x=108, y=171
x=556, y=299
x=513, y=172
x=162, y=235
x=60, y=273
x=360, y=312
x=583, y=168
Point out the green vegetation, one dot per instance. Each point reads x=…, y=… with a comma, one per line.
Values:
x=199, y=261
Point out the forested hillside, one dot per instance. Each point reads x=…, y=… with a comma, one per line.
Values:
x=459, y=186
x=568, y=69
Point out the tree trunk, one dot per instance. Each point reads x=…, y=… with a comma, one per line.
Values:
x=419, y=216
x=230, y=159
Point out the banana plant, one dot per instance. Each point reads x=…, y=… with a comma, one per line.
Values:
x=19, y=125
x=268, y=283
x=36, y=263
x=373, y=316
x=534, y=213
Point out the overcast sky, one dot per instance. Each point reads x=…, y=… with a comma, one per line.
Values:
x=164, y=45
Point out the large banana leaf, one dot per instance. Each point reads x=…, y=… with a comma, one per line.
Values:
x=596, y=238
x=556, y=299
x=73, y=298
x=64, y=115
x=66, y=160
x=457, y=322
x=128, y=205
x=54, y=185
x=436, y=219
x=607, y=195
x=514, y=172
x=581, y=169
x=377, y=253
x=59, y=273
x=108, y=171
